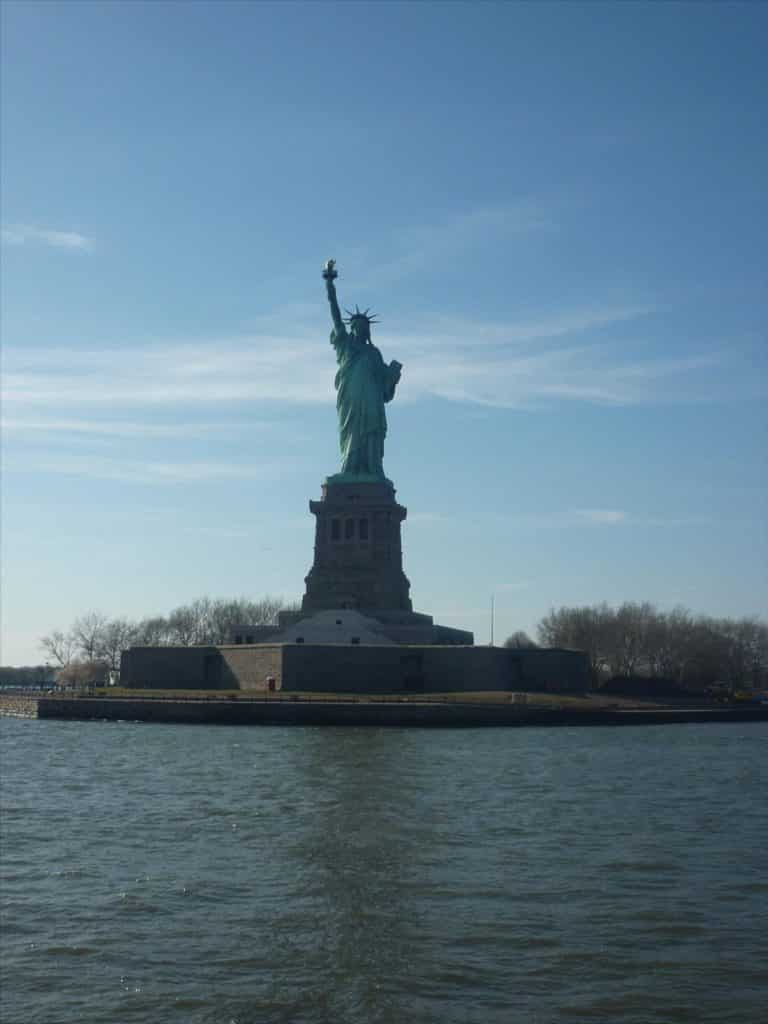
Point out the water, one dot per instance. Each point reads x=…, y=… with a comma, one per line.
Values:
x=203, y=875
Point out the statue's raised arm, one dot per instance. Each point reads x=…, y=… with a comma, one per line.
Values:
x=330, y=273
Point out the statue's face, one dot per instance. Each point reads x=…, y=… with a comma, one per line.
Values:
x=360, y=330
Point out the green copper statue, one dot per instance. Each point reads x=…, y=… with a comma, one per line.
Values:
x=364, y=382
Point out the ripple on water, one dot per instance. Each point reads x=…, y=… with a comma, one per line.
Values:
x=208, y=876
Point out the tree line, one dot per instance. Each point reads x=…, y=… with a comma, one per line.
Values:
x=94, y=643
x=27, y=676
x=636, y=639
x=630, y=641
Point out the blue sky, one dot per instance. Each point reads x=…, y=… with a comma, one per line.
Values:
x=559, y=212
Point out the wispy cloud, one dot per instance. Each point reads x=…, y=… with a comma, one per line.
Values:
x=429, y=245
x=29, y=234
x=578, y=518
x=248, y=369
x=120, y=430
x=518, y=370
x=530, y=331
x=536, y=363
x=151, y=472
x=600, y=516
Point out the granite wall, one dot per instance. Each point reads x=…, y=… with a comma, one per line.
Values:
x=171, y=668
x=248, y=668
x=354, y=668
x=394, y=669
x=201, y=668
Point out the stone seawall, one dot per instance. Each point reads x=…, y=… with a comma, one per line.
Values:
x=18, y=705
x=374, y=713
x=355, y=669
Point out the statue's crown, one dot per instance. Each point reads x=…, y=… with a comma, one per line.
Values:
x=357, y=315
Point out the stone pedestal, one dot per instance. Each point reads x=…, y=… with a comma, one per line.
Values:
x=358, y=551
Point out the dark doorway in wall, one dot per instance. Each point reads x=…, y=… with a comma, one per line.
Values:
x=212, y=671
x=412, y=669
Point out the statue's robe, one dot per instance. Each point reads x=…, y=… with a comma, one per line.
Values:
x=364, y=382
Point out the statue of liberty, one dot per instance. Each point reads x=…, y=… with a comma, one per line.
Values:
x=364, y=383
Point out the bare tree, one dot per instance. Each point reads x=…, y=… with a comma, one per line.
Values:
x=628, y=637
x=519, y=639
x=152, y=632
x=741, y=650
x=206, y=621
x=587, y=629
x=88, y=632
x=202, y=610
x=59, y=646
x=638, y=639
x=226, y=614
x=676, y=637
x=760, y=656
x=83, y=673
x=116, y=636
x=264, y=611
x=182, y=626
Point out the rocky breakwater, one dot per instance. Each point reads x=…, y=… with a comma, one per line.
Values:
x=19, y=705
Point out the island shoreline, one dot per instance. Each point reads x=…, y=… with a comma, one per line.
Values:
x=398, y=712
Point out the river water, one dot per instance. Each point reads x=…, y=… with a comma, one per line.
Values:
x=204, y=875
